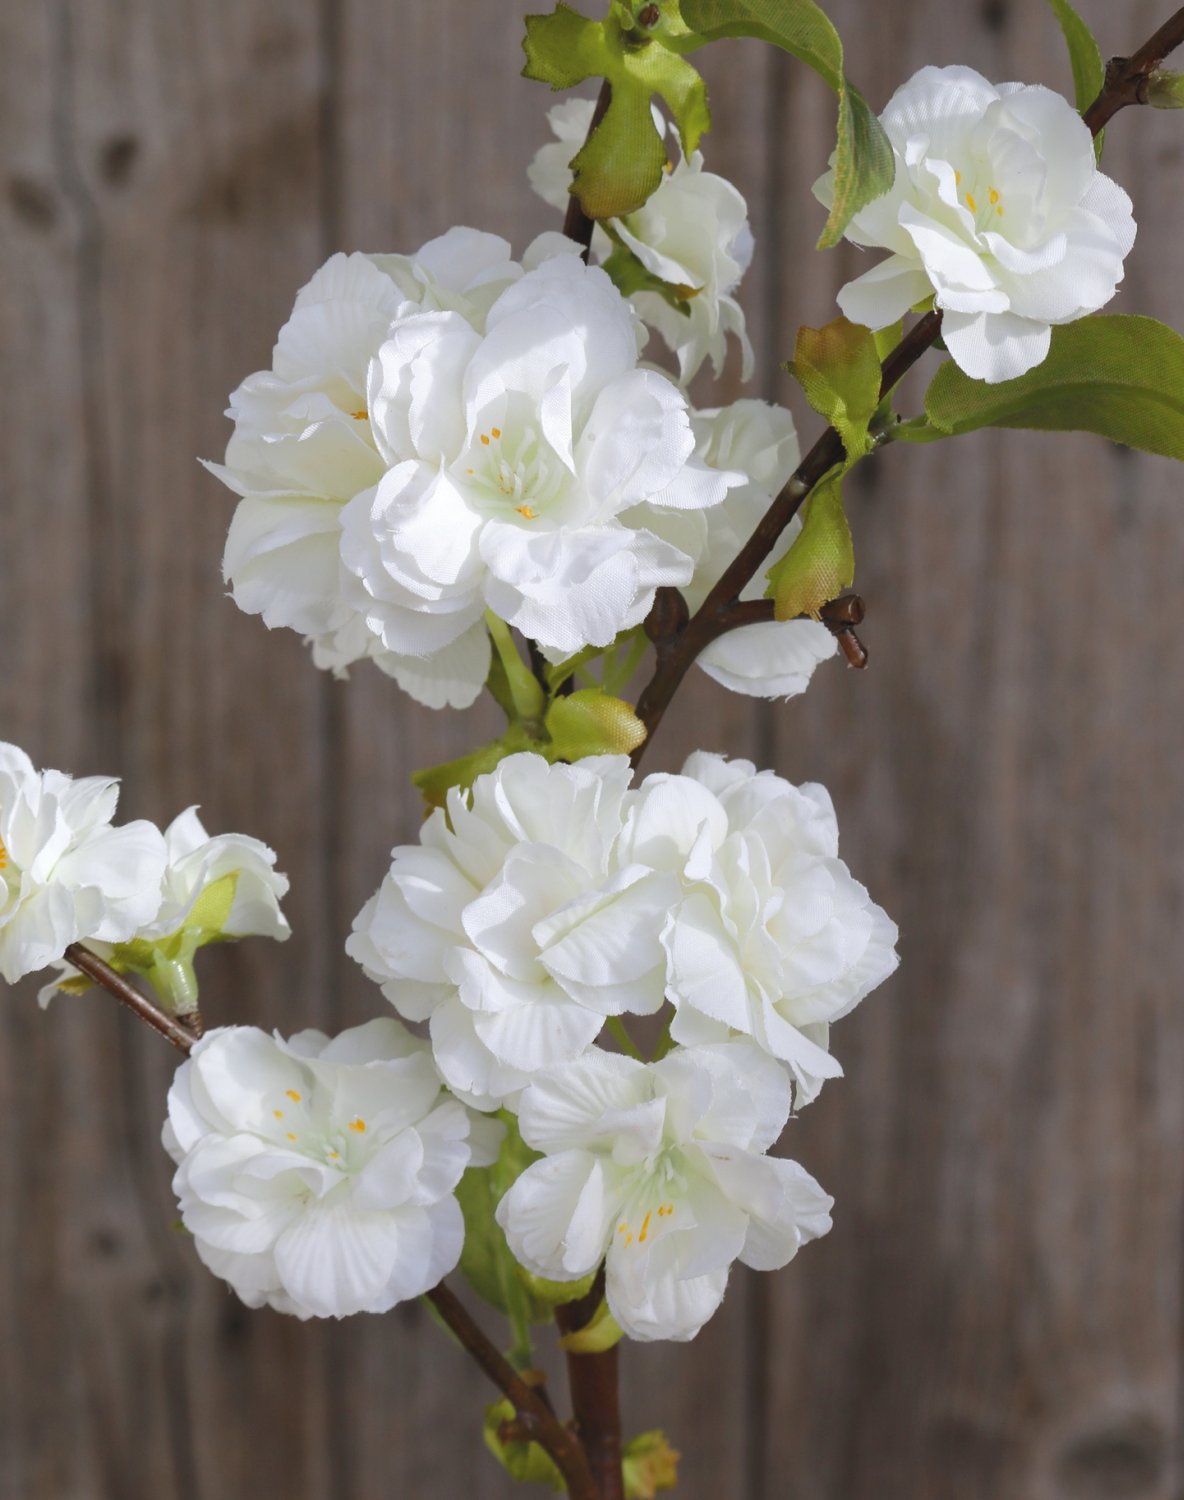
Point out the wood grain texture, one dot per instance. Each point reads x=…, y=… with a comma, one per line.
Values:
x=997, y=1312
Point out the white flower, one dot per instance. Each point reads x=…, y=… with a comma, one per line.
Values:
x=511, y=927
x=303, y=446
x=770, y=659
x=772, y=937
x=512, y=456
x=662, y=1167
x=65, y=873
x=317, y=1176
x=998, y=209
x=692, y=232
x=213, y=890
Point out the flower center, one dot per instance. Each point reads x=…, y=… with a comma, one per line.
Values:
x=513, y=474
x=644, y=1230
x=993, y=199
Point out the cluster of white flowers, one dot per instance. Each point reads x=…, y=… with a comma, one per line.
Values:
x=553, y=897
x=68, y=875
x=457, y=435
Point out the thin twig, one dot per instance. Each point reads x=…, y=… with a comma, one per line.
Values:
x=103, y=974
x=536, y=1420
x=1126, y=81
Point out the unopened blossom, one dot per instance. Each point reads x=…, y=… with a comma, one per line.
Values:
x=512, y=455
x=511, y=927
x=771, y=936
x=303, y=445
x=692, y=233
x=66, y=874
x=998, y=211
x=315, y=1175
x=660, y=1170
x=213, y=890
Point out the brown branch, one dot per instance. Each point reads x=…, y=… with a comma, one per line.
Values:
x=721, y=611
x=103, y=974
x=576, y=223
x=535, y=1421
x=595, y=1398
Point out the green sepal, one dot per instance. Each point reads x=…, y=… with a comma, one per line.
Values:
x=167, y=962
x=838, y=368
x=622, y=161
x=631, y=275
x=864, y=166
x=592, y=722
x=1085, y=60
x=820, y=563
x=547, y=1295
x=435, y=782
x=1117, y=375
x=650, y=1465
x=600, y=1333
x=527, y=1462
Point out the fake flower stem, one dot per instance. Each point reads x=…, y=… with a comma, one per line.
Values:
x=102, y=974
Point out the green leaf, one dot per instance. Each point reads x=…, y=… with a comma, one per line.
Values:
x=591, y=722
x=524, y=692
x=864, y=166
x=650, y=1465
x=527, y=1462
x=601, y=1332
x=622, y=161
x=838, y=367
x=820, y=563
x=1085, y=59
x=631, y=275
x=1121, y=377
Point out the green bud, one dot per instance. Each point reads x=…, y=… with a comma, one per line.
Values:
x=650, y=1464
x=1165, y=90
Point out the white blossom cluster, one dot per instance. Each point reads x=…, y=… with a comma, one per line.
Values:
x=455, y=438
x=68, y=874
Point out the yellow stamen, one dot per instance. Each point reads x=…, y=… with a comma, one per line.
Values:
x=291, y=1135
x=957, y=179
x=468, y=471
x=278, y=1113
x=525, y=510
x=496, y=431
x=358, y=1126
x=994, y=195
x=971, y=204
x=360, y=416
x=3, y=855
x=999, y=210
x=334, y=1155
x=485, y=438
x=293, y=1095
x=645, y=1229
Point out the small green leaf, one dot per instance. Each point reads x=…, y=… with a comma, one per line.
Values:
x=838, y=367
x=650, y=1465
x=591, y=722
x=1117, y=375
x=622, y=161
x=211, y=910
x=1085, y=59
x=820, y=563
x=520, y=684
x=864, y=164
x=601, y=1332
x=526, y=1462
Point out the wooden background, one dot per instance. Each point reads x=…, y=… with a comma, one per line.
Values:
x=997, y=1314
